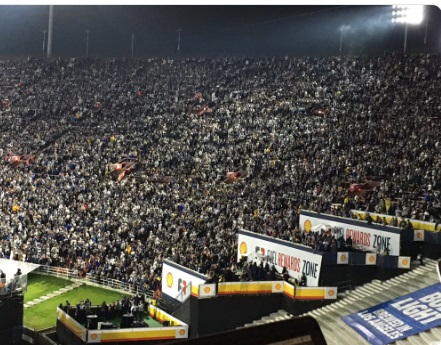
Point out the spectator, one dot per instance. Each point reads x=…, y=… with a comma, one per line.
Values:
x=303, y=129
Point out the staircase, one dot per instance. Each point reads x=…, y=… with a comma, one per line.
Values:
x=336, y=332
x=280, y=315
x=52, y=295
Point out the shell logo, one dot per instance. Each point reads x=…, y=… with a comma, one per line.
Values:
x=307, y=226
x=169, y=279
x=278, y=287
x=93, y=336
x=419, y=234
x=343, y=257
x=405, y=262
x=182, y=332
x=331, y=293
x=207, y=289
x=371, y=258
x=243, y=248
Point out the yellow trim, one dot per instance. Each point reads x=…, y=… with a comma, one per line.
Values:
x=163, y=316
x=195, y=290
x=417, y=224
x=141, y=334
x=288, y=289
x=232, y=288
x=70, y=323
x=310, y=293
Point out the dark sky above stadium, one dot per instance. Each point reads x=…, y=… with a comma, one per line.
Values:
x=212, y=30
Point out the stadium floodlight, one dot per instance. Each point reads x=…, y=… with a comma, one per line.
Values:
x=408, y=15
x=343, y=29
x=87, y=42
x=50, y=31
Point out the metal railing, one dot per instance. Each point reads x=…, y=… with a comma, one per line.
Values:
x=184, y=294
x=109, y=283
x=17, y=284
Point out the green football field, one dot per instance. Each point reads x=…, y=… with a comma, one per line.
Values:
x=40, y=285
x=43, y=315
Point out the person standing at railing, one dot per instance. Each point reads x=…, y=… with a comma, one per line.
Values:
x=118, y=308
x=2, y=282
x=140, y=311
x=17, y=279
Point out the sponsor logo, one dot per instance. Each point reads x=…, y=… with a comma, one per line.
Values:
x=419, y=234
x=182, y=285
x=343, y=257
x=169, y=280
x=207, y=289
x=278, y=286
x=94, y=336
x=307, y=226
x=405, y=262
x=243, y=248
x=181, y=331
x=371, y=258
x=331, y=293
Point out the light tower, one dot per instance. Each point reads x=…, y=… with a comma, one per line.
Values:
x=133, y=43
x=87, y=42
x=44, y=41
x=408, y=15
x=179, y=42
x=343, y=29
x=50, y=31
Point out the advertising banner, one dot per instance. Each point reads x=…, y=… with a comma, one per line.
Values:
x=404, y=262
x=342, y=258
x=297, y=259
x=418, y=235
x=371, y=259
x=178, y=281
x=399, y=318
x=72, y=324
x=365, y=236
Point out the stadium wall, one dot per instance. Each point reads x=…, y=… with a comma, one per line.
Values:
x=223, y=313
x=11, y=325
x=183, y=313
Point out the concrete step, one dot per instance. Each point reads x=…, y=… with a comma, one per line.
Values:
x=429, y=337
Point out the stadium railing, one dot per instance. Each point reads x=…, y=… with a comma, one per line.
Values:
x=113, y=284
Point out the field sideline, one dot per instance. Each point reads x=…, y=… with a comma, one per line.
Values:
x=43, y=315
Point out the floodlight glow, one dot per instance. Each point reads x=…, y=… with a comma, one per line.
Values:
x=411, y=14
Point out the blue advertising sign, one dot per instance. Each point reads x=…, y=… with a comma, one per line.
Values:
x=399, y=318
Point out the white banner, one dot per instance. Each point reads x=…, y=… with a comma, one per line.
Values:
x=342, y=258
x=177, y=280
x=330, y=292
x=207, y=290
x=418, y=235
x=404, y=262
x=371, y=259
x=296, y=259
x=364, y=236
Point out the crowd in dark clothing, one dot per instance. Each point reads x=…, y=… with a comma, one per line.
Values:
x=303, y=129
x=137, y=306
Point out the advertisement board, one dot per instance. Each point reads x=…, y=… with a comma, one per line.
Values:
x=370, y=237
x=399, y=318
x=297, y=259
x=178, y=281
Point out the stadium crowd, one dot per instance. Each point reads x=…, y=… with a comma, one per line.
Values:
x=303, y=130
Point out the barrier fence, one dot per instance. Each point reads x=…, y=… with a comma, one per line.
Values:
x=267, y=287
x=176, y=330
x=109, y=283
x=416, y=223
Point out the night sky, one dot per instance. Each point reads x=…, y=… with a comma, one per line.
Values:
x=209, y=30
